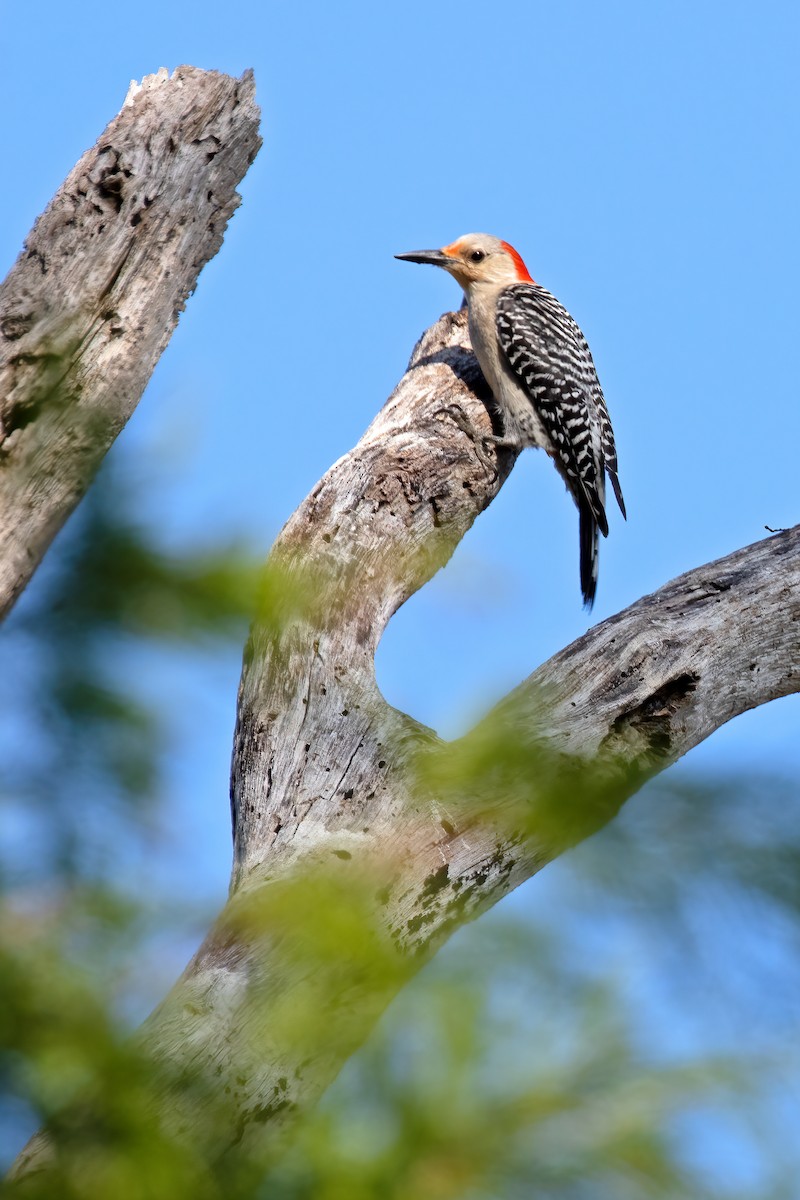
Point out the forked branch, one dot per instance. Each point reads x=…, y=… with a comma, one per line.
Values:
x=344, y=805
x=340, y=800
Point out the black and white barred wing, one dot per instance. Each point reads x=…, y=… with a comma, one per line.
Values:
x=545, y=349
x=609, y=448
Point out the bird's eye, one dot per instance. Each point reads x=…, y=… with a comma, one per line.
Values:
x=477, y=256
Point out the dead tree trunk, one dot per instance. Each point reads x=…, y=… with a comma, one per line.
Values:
x=328, y=792
x=340, y=799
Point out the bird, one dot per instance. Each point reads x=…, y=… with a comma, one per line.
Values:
x=539, y=367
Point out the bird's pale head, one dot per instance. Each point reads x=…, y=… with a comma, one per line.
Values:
x=475, y=258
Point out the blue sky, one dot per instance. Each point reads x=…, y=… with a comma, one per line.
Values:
x=644, y=160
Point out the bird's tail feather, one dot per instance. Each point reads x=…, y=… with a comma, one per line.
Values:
x=590, y=548
x=612, y=475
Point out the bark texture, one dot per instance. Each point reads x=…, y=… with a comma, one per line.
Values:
x=338, y=799
x=98, y=288
x=330, y=793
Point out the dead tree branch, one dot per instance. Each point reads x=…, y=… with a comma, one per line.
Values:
x=329, y=782
x=93, y=298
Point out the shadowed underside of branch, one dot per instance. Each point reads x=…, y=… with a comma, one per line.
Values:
x=343, y=804
x=93, y=298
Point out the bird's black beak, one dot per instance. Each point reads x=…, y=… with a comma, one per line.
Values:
x=434, y=258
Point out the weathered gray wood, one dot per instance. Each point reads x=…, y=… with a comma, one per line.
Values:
x=97, y=291
x=326, y=776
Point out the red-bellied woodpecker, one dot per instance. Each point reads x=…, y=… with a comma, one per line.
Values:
x=540, y=369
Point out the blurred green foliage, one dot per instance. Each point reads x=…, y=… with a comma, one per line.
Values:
x=82, y=745
x=625, y=1035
